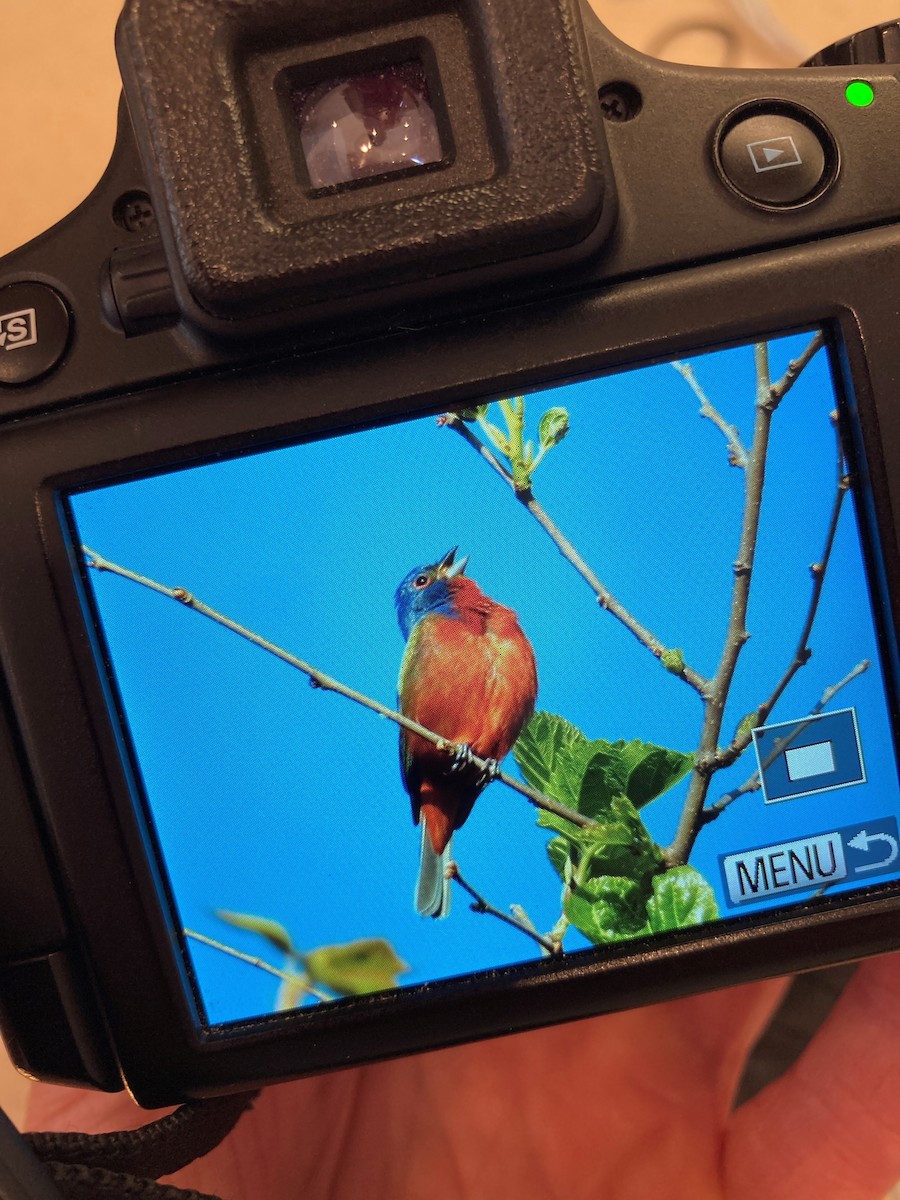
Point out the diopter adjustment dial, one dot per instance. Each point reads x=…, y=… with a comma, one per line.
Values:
x=878, y=44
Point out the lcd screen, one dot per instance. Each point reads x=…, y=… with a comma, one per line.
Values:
x=645, y=594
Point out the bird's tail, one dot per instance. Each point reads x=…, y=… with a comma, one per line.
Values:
x=433, y=886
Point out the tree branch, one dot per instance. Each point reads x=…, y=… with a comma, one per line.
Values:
x=481, y=905
x=737, y=635
x=737, y=455
x=672, y=659
x=320, y=680
x=709, y=758
x=802, y=653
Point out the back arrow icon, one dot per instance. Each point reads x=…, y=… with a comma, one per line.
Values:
x=863, y=841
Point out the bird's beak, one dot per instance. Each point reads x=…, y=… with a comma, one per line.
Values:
x=448, y=568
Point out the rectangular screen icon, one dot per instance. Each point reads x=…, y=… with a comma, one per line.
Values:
x=817, y=753
x=808, y=761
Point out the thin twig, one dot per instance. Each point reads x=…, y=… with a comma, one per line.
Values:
x=737, y=455
x=326, y=683
x=795, y=369
x=284, y=976
x=754, y=783
x=252, y=961
x=481, y=905
x=604, y=596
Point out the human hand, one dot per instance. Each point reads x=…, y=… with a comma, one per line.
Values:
x=621, y=1107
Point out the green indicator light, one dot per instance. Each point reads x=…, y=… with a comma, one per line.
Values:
x=859, y=93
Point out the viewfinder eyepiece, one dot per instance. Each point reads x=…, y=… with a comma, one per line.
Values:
x=368, y=125
x=309, y=161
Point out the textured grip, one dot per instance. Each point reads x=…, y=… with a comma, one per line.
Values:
x=879, y=44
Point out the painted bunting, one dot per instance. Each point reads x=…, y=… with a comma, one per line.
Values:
x=468, y=674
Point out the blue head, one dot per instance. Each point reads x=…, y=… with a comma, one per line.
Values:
x=427, y=590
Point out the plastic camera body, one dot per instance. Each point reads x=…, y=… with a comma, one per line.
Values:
x=363, y=283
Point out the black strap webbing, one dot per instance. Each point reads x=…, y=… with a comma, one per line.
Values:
x=110, y=1166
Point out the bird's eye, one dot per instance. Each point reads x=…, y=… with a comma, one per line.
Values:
x=420, y=581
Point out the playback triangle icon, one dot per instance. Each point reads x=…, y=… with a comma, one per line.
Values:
x=773, y=153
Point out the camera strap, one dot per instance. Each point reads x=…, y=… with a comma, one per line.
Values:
x=112, y=1166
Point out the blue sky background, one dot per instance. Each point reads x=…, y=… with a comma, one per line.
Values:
x=274, y=798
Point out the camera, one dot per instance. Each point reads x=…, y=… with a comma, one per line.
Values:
x=445, y=378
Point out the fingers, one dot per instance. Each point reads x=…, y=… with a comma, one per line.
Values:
x=831, y=1124
x=725, y=1025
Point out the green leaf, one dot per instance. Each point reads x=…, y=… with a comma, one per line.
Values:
x=566, y=829
x=655, y=772
x=638, y=770
x=266, y=928
x=619, y=846
x=552, y=754
x=608, y=909
x=592, y=839
x=603, y=779
x=553, y=427
x=681, y=898
x=556, y=758
x=558, y=853
x=355, y=968
x=611, y=909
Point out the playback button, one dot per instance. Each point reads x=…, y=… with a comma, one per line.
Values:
x=775, y=155
x=34, y=332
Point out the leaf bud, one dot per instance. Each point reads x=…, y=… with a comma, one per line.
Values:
x=673, y=660
x=746, y=725
x=470, y=415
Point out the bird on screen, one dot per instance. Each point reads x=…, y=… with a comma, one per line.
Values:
x=468, y=674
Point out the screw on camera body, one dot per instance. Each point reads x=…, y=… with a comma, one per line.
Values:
x=620, y=101
x=134, y=213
